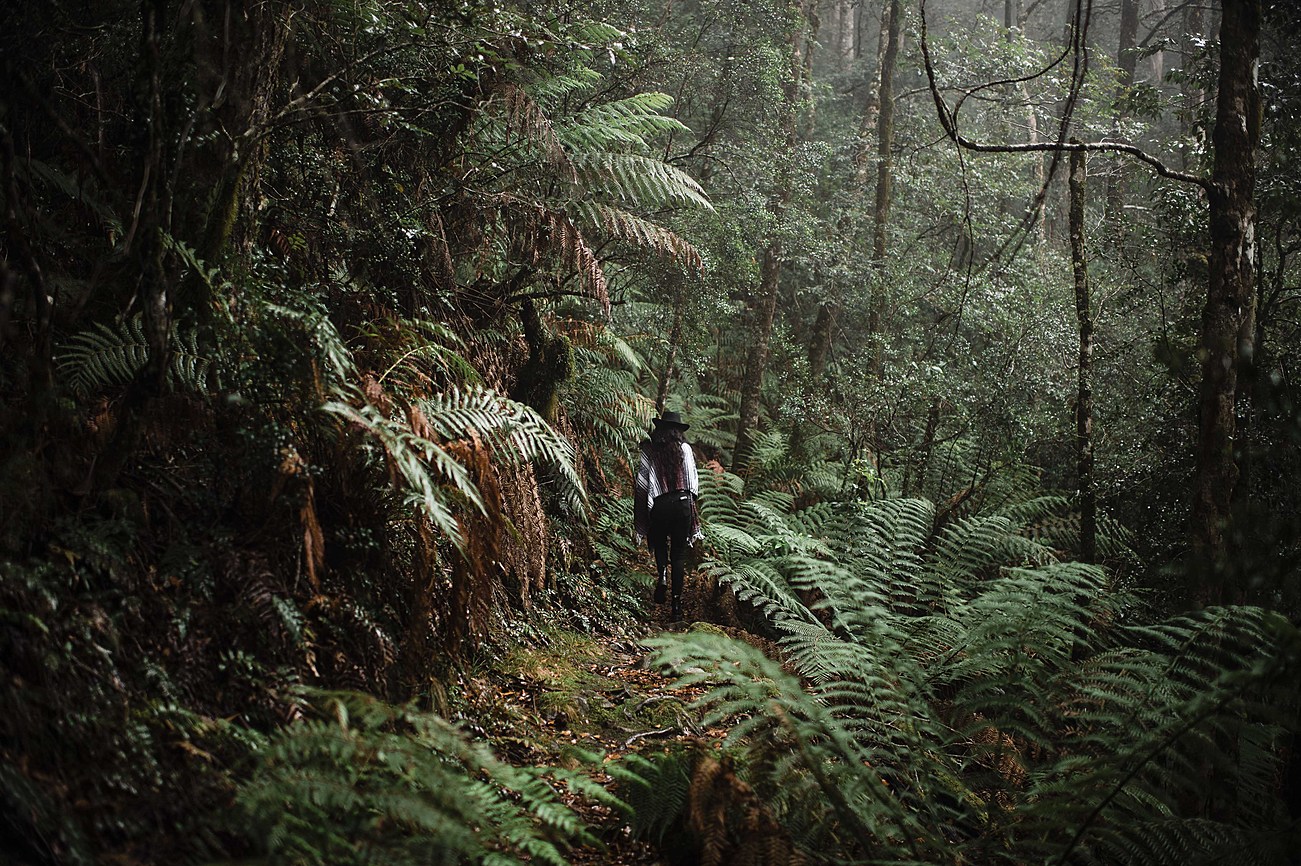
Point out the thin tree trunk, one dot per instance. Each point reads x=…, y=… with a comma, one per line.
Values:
x=1158, y=56
x=847, y=30
x=1127, y=63
x=756, y=362
x=882, y=124
x=675, y=338
x=917, y=485
x=763, y=306
x=1084, y=394
x=1191, y=95
x=1228, y=320
x=145, y=240
x=1013, y=21
x=884, y=165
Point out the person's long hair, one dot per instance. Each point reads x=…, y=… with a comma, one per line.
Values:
x=665, y=451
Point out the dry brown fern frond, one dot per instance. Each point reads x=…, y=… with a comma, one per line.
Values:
x=537, y=233
x=732, y=825
x=526, y=117
x=475, y=572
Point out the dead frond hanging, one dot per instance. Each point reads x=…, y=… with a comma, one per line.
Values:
x=525, y=117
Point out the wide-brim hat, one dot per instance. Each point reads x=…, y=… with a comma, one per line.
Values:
x=671, y=419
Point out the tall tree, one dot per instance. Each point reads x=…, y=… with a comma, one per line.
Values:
x=1127, y=63
x=1084, y=390
x=1228, y=319
x=877, y=124
x=763, y=304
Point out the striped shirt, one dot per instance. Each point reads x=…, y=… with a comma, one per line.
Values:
x=649, y=480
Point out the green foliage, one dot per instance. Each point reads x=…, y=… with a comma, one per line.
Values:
x=963, y=696
x=104, y=357
x=366, y=782
x=653, y=789
x=512, y=432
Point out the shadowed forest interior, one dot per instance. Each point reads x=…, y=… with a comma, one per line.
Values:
x=330, y=331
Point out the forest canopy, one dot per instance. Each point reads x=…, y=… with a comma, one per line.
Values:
x=330, y=329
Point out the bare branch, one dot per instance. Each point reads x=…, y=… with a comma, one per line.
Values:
x=948, y=121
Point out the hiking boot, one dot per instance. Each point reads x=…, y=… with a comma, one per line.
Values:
x=677, y=608
x=661, y=586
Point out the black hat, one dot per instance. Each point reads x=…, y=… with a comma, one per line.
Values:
x=671, y=419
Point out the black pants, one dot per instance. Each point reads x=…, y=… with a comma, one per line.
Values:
x=670, y=526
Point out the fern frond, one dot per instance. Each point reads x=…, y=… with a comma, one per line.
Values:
x=551, y=90
x=986, y=685
x=537, y=231
x=104, y=357
x=369, y=782
x=525, y=116
x=411, y=456
x=638, y=231
x=640, y=181
x=625, y=122
x=513, y=431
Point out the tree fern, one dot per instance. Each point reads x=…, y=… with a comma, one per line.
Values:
x=413, y=446
x=571, y=176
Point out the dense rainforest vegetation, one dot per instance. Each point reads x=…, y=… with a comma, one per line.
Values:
x=329, y=329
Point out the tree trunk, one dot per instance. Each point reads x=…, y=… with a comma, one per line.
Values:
x=675, y=338
x=1228, y=320
x=1158, y=56
x=1084, y=394
x=847, y=29
x=884, y=165
x=244, y=60
x=913, y=486
x=882, y=123
x=756, y=362
x=763, y=306
x=1127, y=63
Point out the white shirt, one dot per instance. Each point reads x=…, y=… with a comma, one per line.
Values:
x=649, y=478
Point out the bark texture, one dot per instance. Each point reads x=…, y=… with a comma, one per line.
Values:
x=1228, y=320
x=1084, y=391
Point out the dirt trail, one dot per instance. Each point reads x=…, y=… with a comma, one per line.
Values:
x=540, y=705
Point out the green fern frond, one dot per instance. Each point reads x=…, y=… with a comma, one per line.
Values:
x=515, y=433
x=653, y=789
x=103, y=357
x=625, y=122
x=551, y=90
x=412, y=456
x=640, y=181
x=319, y=335
x=366, y=782
x=603, y=404
x=987, y=685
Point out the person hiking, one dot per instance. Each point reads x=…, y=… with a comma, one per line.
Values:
x=664, y=503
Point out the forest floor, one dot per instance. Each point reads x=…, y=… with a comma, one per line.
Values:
x=542, y=705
